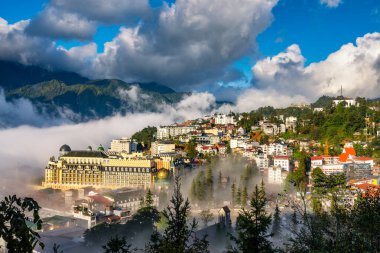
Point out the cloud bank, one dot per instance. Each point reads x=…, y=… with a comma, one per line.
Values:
x=186, y=44
x=284, y=78
x=26, y=149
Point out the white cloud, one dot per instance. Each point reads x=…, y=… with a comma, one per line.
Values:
x=284, y=78
x=108, y=12
x=181, y=45
x=59, y=24
x=189, y=43
x=17, y=45
x=331, y=3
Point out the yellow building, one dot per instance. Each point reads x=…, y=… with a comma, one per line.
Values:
x=87, y=168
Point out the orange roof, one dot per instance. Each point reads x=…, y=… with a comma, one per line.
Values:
x=348, y=151
x=366, y=186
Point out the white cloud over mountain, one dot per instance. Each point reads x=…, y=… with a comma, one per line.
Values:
x=188, y=43
x=58, y=24
x=284, y=78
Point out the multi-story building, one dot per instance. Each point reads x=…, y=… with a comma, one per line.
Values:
x=262, y=161
x=166, y=132
x=290, y=123
x=282, y=162
x=161, y=147
x=276, y=149
x=84, y=168
x=240, y=142
x=223, y=119
x=123, y=145
x=276, y=175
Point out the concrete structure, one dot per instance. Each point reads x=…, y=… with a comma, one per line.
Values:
x=262, y=161
x=161, y=147
x=123, y=145
x=166, y=132
x=290, y=123
x=80, y=169
x=276, y=175
x=282, y=162
x=223, y=119
x=347, y=101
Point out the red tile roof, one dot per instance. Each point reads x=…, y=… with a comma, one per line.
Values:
x=320, y=157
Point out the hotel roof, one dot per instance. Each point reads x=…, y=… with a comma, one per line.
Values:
x=86, y=153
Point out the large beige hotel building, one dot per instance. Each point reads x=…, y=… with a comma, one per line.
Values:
x=99, y=169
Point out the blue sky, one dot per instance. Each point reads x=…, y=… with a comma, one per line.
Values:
x=316, y=28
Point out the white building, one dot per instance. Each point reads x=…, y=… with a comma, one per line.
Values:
x=262, y=161
x=282, y=162
x=166, y=132
x=269, y=128
x=239, y=142
x=290, y=123
x=348, y=101
x=223, y=119
x=276, y=149
x=161, y=147
x=123, y=145
x=276, y=175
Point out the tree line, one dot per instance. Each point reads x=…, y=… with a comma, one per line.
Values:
x=342, y=228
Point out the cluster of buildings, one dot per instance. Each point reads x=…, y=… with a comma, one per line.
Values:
x=358, y=169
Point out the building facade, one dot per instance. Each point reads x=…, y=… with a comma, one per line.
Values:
x=80, y=169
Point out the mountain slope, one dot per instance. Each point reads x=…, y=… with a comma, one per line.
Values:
x=93, y=99
x=14, y=75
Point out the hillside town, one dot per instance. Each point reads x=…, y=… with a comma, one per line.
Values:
x=108, y=185
x=220, y=158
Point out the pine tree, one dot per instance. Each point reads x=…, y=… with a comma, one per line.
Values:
x=149, y=202
x=276, y=226
x=238, y=196
x=233, y=192
x=193, y=190
x=209, y=176
x=220, y=179
x=244, y=196
x=117, y=245
x=179, y=235
x=252, y=226
x=209, y=184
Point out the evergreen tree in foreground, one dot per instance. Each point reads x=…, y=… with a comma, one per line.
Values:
x=179, y=235
x=252, y=226
x=276, y=226
x=117, y=245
